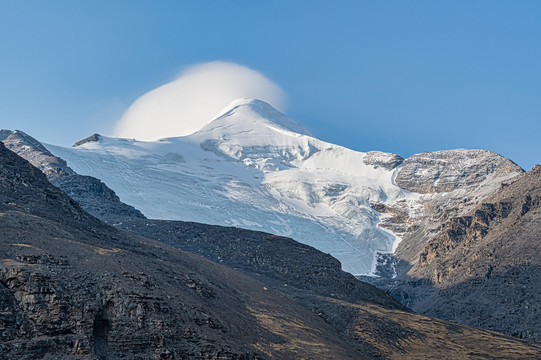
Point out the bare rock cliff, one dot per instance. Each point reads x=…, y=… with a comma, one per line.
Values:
x=444, y=171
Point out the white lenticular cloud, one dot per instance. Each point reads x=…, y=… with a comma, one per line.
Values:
x=183, y=106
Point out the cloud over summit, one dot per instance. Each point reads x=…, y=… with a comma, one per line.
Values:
x=186, y=104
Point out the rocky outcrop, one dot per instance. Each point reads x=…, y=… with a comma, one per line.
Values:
x=483, y=268
x=513, y=210
x=444, y=171
x=469, y=249
x=33, y=151
x=380, y=159
x=92, y=138
x=464, y=231
x=449, y=184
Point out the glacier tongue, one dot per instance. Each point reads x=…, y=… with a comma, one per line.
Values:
x=253, y=167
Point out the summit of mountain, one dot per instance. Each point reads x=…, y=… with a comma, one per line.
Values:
x=258, y=114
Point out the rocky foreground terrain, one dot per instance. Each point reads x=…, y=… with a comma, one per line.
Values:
x=71, y=286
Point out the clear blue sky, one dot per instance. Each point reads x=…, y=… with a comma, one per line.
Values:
x=396, y=76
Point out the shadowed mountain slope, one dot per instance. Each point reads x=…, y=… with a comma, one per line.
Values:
x=94, y=196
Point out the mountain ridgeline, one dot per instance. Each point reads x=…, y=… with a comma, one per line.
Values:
x=450, y=234
x=254, y=168
x=74, y=287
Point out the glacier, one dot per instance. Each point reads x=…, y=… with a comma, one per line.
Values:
x=253, y=167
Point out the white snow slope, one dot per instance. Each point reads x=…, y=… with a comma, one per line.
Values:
x=254, y=168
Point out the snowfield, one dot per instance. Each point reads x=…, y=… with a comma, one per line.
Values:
x=252, y=167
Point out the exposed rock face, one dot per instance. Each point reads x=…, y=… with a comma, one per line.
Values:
x=385, y=160
x=450, y=184
x=450, y=263
x=464, y=230
x=91, y=138
x=33, y=151
x=444, y=171
x=483, y=268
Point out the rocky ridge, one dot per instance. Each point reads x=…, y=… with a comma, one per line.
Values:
x=91, y=138
x=388, y=161
x=449, y=183
x=482, y=268
x=93, y=195
x=33, y=151
x=448, y=170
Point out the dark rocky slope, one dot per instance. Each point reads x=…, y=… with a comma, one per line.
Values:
x=358, y=311
x=275, y=259
x=93, y=195
x=483, y=268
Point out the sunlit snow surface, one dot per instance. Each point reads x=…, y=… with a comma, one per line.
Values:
x=253, y=168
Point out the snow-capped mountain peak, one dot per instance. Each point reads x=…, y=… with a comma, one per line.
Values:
x=255, y=168
x=253, y=112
